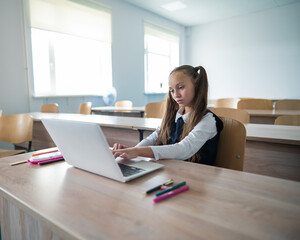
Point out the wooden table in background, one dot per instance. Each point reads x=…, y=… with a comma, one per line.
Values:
x=115, y=128
x=271, y=150
x=119, y=111
x=56, y=201
x=268, y=116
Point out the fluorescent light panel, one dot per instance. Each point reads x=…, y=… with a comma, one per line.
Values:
x=174, y=6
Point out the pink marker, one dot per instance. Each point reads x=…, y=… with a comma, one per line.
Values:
x=170, y=194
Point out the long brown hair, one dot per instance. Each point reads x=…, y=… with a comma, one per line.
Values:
x=198, y=110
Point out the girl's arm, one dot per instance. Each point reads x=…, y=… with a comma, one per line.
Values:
x=133, y=152
x=149, y=141
x=203, y=131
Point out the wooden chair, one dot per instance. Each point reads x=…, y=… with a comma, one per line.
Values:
x=85, y=108
x=123, y=103
x=231, y=147
x=50, y=108
x=154, y=110
x=287, y=104
x=15, y=128
x=226, y=103
x=291, y=120
x=237, y=114
x=254, y=103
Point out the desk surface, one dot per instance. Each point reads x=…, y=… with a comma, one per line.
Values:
x=113, y=108
x=273, y=133
x=271, y=113
x=221, y=204
x=256, y=132
x=106, y=121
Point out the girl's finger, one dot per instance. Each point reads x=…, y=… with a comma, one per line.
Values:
x=116, y=154
x=124, y=155
x=114, y=146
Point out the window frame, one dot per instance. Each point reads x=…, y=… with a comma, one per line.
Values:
x=164, y=33
x=29, y=50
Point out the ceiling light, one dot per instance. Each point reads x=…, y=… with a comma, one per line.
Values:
x=173, y=6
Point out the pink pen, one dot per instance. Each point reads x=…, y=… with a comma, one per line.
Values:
x=170, y=194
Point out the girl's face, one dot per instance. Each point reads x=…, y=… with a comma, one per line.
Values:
x=182, y=89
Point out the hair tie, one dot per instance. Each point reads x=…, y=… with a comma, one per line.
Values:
x=196, y=69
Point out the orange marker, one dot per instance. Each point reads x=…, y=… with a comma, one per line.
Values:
x=36, y=154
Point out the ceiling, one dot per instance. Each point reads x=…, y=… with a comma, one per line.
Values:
x=198, y=12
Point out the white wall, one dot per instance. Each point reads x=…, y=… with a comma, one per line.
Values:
x=127, y=58
x=256, y=55
x=13, y=80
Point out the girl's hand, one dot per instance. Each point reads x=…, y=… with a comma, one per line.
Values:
x=119, y=146
x=127, y=153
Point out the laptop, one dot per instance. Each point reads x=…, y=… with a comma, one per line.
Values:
x=84, y=146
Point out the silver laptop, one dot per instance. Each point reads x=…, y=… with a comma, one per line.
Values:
x=83, y=145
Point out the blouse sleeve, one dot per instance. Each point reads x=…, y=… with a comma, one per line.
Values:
x=190, y=145
x=150, y=140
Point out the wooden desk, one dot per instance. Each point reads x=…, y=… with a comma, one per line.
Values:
x=271, y=150
x=119, y=111
x=255, y=132
x=56, y=201
x=268, y=116
x=116, y=129
x=273, y=133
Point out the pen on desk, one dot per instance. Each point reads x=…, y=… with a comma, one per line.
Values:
x=168, y=182
x=170, y=188
x=36, y=154
x=170, y=194
x=19, y=162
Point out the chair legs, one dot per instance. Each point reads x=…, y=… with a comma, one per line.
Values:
x=23, y=147
x=29, y=146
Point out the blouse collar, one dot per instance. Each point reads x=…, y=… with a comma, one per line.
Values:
x=179, y=114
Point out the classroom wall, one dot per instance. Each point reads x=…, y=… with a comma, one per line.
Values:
x=256, y=55
x=127, y=58
x=13, y=80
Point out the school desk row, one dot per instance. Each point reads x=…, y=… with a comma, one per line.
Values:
x=271, y=150
x=57, y=201
x=256, y=115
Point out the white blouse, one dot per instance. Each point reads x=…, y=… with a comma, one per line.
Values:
x=206, y=129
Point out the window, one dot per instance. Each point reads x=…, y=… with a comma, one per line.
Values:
x=161, y=57
x=71, y=47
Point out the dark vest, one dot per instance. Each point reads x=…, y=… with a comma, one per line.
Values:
x=208, y=151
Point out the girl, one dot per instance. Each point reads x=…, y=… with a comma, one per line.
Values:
x=188, y=131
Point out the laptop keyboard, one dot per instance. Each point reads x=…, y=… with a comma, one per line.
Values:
x=129, y=170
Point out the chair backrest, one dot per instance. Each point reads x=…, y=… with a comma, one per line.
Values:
x=237, y=114
x=123, y=103
x=85, y=108
x=16, y=128
x=288, y=104
x=155, y=109
x=226, y=103
x=231, y=147
x=50, y=108
x=255, y=103
x=291, y=120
